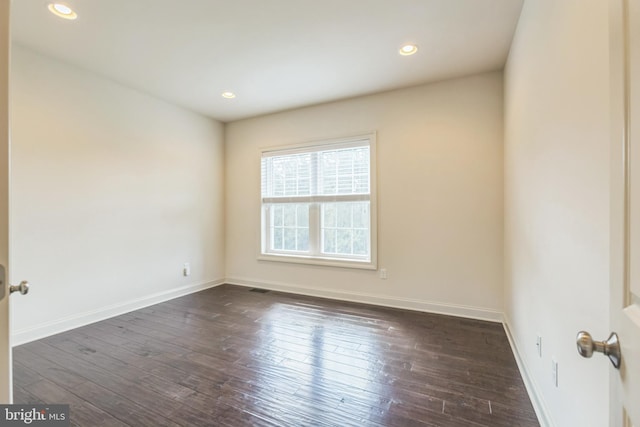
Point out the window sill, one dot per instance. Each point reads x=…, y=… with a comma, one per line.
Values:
x=329, y=262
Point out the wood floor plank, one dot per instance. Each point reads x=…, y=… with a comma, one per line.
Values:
x=84, y=412
x=231, y=357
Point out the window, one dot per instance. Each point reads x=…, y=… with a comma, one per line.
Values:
x=318, y=203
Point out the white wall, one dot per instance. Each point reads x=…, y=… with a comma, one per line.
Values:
x=439, y=196
x=557, y=201
x=112, y=191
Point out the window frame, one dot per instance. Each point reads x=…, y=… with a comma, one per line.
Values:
x=317, y=258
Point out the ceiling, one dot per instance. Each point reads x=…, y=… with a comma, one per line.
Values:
x=274, y=54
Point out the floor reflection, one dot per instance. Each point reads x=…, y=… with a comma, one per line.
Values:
x=336, y=361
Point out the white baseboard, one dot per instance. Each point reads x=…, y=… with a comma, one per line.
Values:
x=43, y=330
x=382, y=300
x=532, y=389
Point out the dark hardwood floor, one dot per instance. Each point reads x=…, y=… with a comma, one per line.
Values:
x=229, y=356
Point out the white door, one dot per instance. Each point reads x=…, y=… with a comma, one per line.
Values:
x=625, y=209
x=5, y=348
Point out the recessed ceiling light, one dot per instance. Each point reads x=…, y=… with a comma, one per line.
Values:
x=62, y=10
x=408, y=49
x=228, y=95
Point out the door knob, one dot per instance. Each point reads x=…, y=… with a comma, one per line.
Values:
x=610, y=347
x=23, y=288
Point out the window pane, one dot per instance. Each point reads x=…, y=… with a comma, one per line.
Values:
x=360, y=242
x=289, y=239
x=329, y=241
x=277, y=238
x=344, y=171
x=302, y=212
x=361, y=215
x=290, y=187
x=290, y=227
x=289, y=215
x=329, y=185
x=343, y=244
x=345, y=184
x=329, y=215
x=288, y=175
x=277, y=215
x=303, y=239
x=361, y=184
x=345, y=228
x=344, y=215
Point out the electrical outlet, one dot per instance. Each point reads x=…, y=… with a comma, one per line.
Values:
x=383, y=273
x=554, y=371
x=186, y=269
x=539, y=345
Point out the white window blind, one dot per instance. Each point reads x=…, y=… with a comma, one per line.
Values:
x=317, y=201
